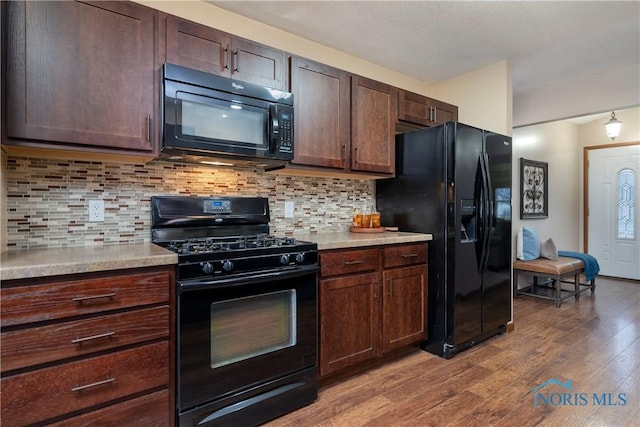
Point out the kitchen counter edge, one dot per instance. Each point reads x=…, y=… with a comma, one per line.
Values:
x=345, y=240
x=31, y=263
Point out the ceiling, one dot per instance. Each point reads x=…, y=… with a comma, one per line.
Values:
x=548, y=42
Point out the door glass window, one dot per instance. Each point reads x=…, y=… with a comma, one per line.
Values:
x=248, y=327
x=626, y=204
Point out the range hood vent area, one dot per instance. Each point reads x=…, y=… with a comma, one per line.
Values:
x=217, y=159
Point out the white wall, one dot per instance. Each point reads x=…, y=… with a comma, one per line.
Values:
x=556, y=143
x=483, y=97
x=593, y=94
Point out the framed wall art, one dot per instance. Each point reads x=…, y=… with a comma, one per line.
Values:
x=534, y=189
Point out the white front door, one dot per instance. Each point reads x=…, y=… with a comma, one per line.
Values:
x=614, y=210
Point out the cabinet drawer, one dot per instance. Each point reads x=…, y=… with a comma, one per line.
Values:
x=346, y=262
x=51, y=392
x=26, y=347
x=56, y=300
x=149, y=410
x=396, y=256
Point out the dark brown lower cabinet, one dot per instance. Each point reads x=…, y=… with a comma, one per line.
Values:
x=372, y=302
x=88, y=349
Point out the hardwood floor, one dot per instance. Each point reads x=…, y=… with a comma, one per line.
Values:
x=593, y=342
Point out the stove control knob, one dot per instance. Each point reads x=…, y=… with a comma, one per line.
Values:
x=227, y=265
x=300, y=257
x=207, y=267
x=284, y=259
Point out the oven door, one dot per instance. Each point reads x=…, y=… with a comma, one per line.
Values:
x=236, y=333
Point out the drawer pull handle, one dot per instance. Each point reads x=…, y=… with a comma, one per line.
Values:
x=353, y=262
x=92, y=337
x=376, y=289
x=409, y=255
x=82, y=299
x=84, y=387
x=390, y=287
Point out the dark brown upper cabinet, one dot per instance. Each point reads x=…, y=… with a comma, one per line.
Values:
x=343, y=122
x=321, y=114
x=373, y=106
x=420, y=111
x=202, y=48
x=82, y=76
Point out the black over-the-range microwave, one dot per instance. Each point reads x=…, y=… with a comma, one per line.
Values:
x=217, y=120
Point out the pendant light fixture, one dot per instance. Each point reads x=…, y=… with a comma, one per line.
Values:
x=613, y=126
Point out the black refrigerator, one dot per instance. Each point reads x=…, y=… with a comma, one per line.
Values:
x=454, y=181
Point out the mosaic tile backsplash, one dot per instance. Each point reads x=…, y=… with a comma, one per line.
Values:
x=48, y=199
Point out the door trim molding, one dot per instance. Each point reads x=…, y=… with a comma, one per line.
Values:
x=585, y=180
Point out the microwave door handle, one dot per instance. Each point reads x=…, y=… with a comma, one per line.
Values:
x=274, y=128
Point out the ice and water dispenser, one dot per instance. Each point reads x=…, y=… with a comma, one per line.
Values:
x=467, y=220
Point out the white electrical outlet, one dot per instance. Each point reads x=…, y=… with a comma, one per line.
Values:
x=288, y=209
x=96, y=210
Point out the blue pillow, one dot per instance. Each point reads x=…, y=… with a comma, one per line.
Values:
x=530, y=243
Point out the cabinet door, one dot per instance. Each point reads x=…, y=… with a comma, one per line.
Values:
x=257, y=63
x=198, y=47
x=422, y=111
x=413, y=108
x=83, y=74
x=441, y=112
x=404, y=306
x=321, y=110
x=349, y=308
x=373, y=118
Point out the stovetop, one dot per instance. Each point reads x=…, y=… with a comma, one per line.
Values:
x=216, y=236
x=214, y=245
x=211, y=258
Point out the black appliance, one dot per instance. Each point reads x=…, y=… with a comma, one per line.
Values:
x=454, y=181
x=221, y=121
x=246, y=311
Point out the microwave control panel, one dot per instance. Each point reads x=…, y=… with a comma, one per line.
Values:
x=285, y=119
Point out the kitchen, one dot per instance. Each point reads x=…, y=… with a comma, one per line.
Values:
x=127, y=187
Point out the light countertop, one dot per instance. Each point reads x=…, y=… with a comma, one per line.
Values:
x=345, y=239
x=25, y=264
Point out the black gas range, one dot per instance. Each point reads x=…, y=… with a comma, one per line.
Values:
x=246, y=311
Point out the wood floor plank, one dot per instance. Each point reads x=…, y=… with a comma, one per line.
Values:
x=593, y=342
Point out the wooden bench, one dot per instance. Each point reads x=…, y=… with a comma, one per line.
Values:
x=554, y=273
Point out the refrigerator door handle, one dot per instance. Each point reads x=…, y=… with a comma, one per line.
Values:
x=491, y=214
x=479, y=197
x=491, y=219
x=486, y=212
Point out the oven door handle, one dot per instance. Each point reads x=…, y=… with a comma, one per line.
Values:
x=229, y=282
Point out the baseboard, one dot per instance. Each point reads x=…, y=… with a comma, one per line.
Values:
x=511, y=327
